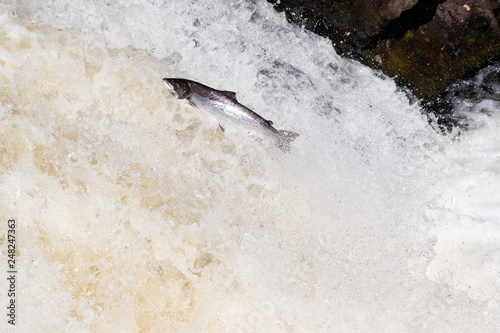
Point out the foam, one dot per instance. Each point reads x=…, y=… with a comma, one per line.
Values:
x=139, y=215
x=469, y=236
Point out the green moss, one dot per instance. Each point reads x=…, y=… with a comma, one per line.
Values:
x=408, y=36
x=429, y=60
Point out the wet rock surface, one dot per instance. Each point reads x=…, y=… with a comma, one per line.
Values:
x=425, y=45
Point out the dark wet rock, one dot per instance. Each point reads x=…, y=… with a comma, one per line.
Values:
x=425, y=45
x=468, y=96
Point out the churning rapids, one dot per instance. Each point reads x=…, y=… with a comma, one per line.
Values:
x=136, y=214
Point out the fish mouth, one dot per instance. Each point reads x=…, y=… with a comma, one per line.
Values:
x=170, y=88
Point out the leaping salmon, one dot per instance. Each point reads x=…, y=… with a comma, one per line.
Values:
x=226, y=108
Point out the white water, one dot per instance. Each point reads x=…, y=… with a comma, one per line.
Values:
x=137, y=214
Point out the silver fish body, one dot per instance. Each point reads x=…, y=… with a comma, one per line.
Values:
x=226, y=108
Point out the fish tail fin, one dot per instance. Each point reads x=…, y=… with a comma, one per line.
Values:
x=284, y=138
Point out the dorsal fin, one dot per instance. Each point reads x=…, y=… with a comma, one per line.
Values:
x=270, y=122
x=230, y=94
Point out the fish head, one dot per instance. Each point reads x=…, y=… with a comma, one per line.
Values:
x=178, y=87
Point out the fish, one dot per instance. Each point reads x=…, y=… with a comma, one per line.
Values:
x=227, y=110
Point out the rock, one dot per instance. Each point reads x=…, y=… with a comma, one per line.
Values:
x=425, y=45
